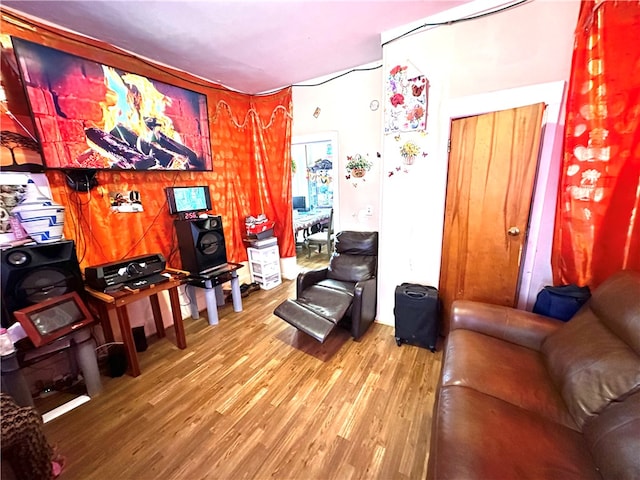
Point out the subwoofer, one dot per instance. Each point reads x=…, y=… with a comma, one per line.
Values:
x=34, y=273
x=201, y=243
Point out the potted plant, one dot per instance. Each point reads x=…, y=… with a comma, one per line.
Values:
x=358, y=165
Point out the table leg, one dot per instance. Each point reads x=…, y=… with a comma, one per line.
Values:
x=157, y=315
x=210, y=298
x=219, y=295
x=105, y=321
x=127, y=339
x=178, y=326
x=235, y=292
x=190, y=291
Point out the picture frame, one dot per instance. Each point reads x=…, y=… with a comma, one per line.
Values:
x=56, y=317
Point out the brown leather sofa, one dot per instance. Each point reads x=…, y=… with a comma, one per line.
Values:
x=523, y=396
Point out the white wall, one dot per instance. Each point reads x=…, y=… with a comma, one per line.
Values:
x=528, y=45
x=344, y=108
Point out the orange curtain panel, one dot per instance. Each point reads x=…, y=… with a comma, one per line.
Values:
x=597, y=230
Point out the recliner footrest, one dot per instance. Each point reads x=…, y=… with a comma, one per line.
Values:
x=305, y=319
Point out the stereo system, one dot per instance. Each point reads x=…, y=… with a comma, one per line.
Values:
x=201, y=243
x=34, y=273
x=134, y=272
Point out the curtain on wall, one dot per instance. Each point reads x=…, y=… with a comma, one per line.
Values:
x=251, y=146
x=598, y=213
x=251, y=174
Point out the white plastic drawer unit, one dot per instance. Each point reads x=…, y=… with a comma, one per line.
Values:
x=269, y=254
x=264, y=266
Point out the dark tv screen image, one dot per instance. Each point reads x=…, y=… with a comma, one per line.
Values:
x=188, y=199
x=299, y=203
x=94, y=116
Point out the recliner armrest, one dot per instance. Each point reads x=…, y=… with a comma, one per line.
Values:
x=506, y=323
x=363, y=309
x=306, y=279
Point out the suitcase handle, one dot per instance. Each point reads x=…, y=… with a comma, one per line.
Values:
x=409, y=293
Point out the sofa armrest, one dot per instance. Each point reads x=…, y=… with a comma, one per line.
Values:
x=363, y=309
x=306, y=279
x=516, y=326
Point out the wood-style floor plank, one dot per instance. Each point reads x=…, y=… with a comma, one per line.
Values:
x=254, y=398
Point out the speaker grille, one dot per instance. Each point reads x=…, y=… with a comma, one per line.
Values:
x=43, y=284
x=210, y=243
x=34, y=273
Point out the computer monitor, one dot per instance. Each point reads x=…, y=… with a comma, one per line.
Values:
x=300, y=203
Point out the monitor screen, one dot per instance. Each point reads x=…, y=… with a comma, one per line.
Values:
x=300, y=203
x=188, y=199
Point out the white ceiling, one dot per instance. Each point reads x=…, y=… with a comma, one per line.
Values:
x=249, y=46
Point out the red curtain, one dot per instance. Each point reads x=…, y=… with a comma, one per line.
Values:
x=598, y=213
x=251, y=145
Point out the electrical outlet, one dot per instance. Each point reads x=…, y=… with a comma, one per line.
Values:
x=369, y=210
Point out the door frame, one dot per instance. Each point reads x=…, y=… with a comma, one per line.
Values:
x=289, y=265
x=535, y=267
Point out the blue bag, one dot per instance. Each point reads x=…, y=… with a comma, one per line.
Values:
x=561, y=302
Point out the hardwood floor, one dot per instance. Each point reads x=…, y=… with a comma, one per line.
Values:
x=254, y=398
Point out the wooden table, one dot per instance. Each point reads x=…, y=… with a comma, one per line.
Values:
x=304, y=221
x=118, y=301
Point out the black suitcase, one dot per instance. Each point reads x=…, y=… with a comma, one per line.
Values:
x=417, y=314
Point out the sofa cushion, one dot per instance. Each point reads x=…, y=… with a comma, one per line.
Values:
x=590, y=365
x=614, y=439
x=333, y=284
x=480, y=436
x=357, y=243
x=328, y=303
x=503, y=370
x=352, y=268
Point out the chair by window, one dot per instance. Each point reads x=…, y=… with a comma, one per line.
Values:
x=344, y=293
x=323, y=237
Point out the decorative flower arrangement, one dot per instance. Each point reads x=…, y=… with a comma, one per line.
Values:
x=358, y=165
x=409, y=151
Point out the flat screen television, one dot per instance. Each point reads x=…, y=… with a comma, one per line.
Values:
x=300, y=203
x=184, y=200
x=47, y=321
x=94, y=116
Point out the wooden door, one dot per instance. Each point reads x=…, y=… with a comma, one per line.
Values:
x=492, y=168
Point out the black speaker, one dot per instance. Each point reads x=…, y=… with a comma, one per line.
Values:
x=201, y=243
x=34, y=273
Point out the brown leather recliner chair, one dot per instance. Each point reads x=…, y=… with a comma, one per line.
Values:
x=344, y=293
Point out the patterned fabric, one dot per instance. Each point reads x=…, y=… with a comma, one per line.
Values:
x=597, y=222
x=251, y=139
x=24, y=445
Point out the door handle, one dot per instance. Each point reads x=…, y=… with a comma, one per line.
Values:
x=513, y=231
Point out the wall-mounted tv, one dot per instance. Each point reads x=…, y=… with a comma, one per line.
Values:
x=188, y=199
x=93, y=116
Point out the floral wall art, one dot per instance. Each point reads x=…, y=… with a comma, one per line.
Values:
x=405, y=107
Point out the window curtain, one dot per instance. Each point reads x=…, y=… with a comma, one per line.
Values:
x=598, y=213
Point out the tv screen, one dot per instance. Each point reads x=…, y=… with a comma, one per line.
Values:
x=188, y=199
x=299, y=203
x=93, y=116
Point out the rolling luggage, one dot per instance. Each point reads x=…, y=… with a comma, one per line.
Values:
x=417, y=315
